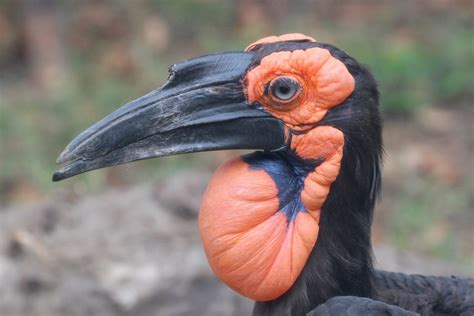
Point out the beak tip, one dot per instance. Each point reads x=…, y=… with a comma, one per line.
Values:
x=58, y=176
x=63, y=157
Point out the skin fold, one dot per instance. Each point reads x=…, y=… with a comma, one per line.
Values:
x=250, y=244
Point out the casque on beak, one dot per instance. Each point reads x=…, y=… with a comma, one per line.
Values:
x=202, y=107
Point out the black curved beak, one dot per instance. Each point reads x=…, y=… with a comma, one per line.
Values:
x=202, y=107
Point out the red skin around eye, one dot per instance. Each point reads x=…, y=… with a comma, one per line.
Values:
x=325, y=83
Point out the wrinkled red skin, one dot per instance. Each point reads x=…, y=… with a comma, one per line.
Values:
x=250, y=244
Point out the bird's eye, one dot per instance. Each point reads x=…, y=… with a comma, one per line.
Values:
x=284, y=89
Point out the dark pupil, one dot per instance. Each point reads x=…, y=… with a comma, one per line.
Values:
x=284, y=89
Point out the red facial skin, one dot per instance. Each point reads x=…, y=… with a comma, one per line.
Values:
x=250, y=244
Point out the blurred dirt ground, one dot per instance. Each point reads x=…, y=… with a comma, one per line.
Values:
x=136, y=250
x=129, y=252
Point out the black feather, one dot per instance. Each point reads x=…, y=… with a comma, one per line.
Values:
x=357, y=306
x=341, y=262
x=338, y=278
x=427, y=295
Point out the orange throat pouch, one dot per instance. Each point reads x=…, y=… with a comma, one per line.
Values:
x=259, y=225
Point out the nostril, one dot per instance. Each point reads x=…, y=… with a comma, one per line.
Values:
x=171, y=72
x=256, y=105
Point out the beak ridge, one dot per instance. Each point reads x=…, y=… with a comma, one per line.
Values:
x=202, y=107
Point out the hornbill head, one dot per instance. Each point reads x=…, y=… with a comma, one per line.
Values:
x=309, y=106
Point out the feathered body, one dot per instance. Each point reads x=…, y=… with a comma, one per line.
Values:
x=288, y=226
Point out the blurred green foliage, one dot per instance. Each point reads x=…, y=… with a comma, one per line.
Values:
x=433, y=221
x=421, y=55
x=417, y=74
x=418, y=60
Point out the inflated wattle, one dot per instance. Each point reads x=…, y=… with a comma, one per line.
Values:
x=259, y=219
x=251, y=244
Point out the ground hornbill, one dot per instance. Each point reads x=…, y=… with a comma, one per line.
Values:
x=288, y=226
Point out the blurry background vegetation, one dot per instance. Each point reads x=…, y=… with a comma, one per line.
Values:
x=65, y=64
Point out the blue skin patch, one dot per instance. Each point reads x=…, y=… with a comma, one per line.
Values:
x=288, y=171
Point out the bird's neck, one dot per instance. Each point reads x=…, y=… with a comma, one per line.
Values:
x=292, y=229
x=341, y=261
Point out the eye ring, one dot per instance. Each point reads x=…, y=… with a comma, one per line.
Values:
x=284, y=89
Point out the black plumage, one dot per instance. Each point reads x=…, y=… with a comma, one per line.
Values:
x=427, y=295
x=203, y=107
x=354, y=305
x=339, y=278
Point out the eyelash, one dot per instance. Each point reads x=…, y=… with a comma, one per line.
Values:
x=266, y=88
